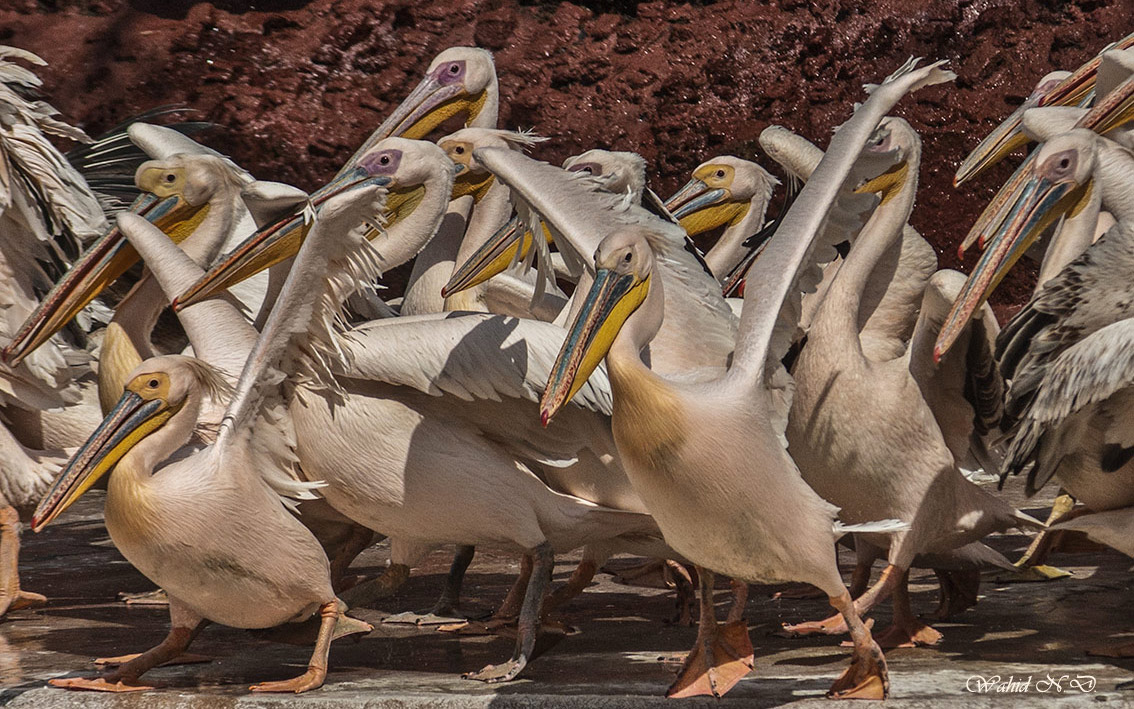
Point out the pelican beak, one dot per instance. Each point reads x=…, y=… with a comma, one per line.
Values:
x=132, y=419
x=700, y=208
x=467, y=182
x=1112, y=111
x=612, y=299
x=995, y=147
x=108, y=258
x=507, y=246
x=429, y=105
x=1038, y=203
x=271, y=243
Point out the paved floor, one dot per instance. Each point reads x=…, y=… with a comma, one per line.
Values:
x=624, y=655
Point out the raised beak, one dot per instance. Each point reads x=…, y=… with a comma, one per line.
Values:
x=999, y=143
x=429, y=105
x=271, y=243
x=612, y=299
x=998, y=208
x=1111, y=111
x=1039, y=203
x=108, y=258
x=508, y=245
x=132, y=419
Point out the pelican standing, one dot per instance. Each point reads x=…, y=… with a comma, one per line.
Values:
x=212, y=526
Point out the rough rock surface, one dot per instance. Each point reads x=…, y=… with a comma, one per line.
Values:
x=298, y=85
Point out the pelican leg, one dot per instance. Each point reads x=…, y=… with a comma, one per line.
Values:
x=12, y=597
x=358, y=540
x=317, y=666
x=739, y=601
x=447, y=609
x=860, y=578
x=959, y=591
x=543, y=560
x=867, y=677
x=1031, y=565
x=125, y=678
x=906, y=630
x=681, y=580
x=721, y=655
x=506, y=614
x=836, y=624
x=367, y=592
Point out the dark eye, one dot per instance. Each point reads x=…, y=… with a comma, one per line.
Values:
x=626, y=258
x=170, y=177
x=454, y=69
x=589, y=170
x=459, y=150
x=384, y=160
x=154, y=384
x=1064, y=163
x=720, y=173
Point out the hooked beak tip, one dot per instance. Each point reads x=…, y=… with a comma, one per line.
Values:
x=937, y=353
x=544, y=417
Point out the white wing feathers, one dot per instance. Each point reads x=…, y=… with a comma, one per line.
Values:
x=299, y=334
x=468, y=356
x=772, y=297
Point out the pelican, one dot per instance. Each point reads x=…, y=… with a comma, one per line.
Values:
x=212, y=526
x=460, y=81
x=708, y=456
x=909, y=467
x=724, y=191
x=1058, y=88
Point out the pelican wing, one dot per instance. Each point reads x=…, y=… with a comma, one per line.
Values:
x=298, y=335
x=964, y=390
x=772, y=298
x=1089, y=380
x=1089, y=294
x=580, y=214
x=467, y=355
x=1115, y=528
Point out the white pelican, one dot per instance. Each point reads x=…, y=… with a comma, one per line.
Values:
x=460, y=81
x=917, y=413
x=1059, y=88
x=212, y=526
x=724, y=191
x=708, y=456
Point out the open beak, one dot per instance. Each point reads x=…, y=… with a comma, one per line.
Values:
x=132, y=419
x=507, y=246
x=271, y=243
x=467, y=182
x=612, y=299
x=1039, y=202
x=107, y=259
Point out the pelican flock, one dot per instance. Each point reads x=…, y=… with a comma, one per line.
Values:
x=568, y=368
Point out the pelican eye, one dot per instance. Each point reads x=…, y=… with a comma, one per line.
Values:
x=153, y=384
x=720, y=173
x=627, y=257
x=1064, y=163
x=454, y=69
x=384, y=160
x=459, y=150
x=170, y=177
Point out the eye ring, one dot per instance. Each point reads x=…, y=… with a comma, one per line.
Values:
x=720, y=173
x=459, y=150
x=454, y=69
x=170, y=177
x=154, y=384
x=385, y=160
x=627, y=257
x=1064, y=163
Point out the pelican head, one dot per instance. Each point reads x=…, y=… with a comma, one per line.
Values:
x=459, y=81
x=720, y=193
x=619, y=172
x=177, y=194
x=472, y=178
x=894, y=138
x=162, y=393
x=1009, y=135
x=624, y=264
x=1056, y=183
x=406, y=168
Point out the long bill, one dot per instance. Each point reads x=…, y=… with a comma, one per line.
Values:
x=271, y=243
x=1039, y=203
x=700, y=208
x=103, y=263
x=132, y=419
x=510, y=244
x=610, y=302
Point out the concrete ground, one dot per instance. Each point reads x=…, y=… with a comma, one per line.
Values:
x=623, y=655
